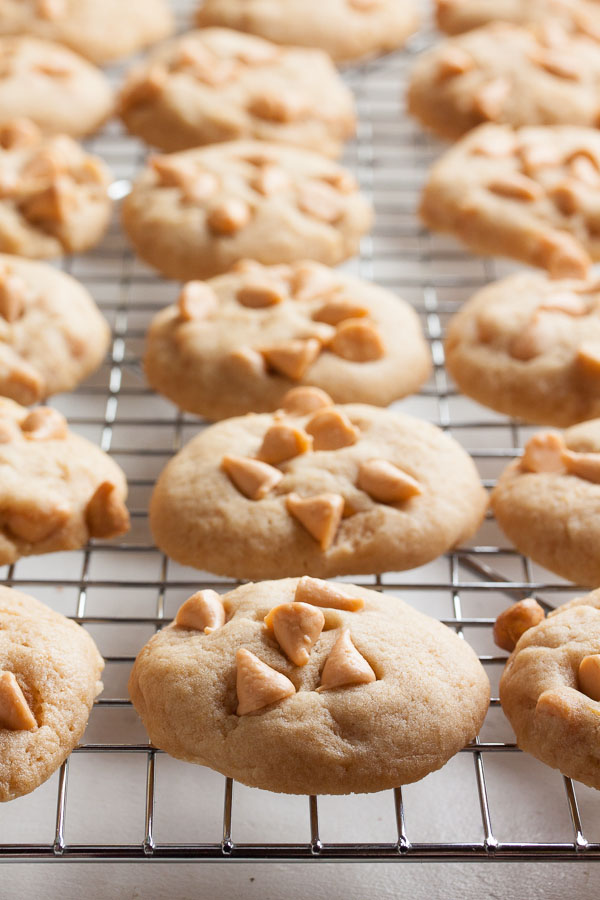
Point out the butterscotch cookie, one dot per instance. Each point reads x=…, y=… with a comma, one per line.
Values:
x=316, y=488
x=302, y=686
x=525, y=346
x=239, y=342
x=101, y=30
x=548, y=502
x=52, y=335
x=53, y=195
x=57, y=489
x=346, y=29
x=50, y=673
x=550, y=688
x=533, y=194
x=219, y=85
x=57, y=89
x=194, y=214
x=508, y=75
x=456, y=16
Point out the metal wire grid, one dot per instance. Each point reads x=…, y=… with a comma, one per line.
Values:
x=123, y=590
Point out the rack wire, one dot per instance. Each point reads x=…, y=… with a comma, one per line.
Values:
x=119, y=799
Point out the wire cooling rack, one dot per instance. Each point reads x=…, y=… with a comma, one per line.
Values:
x=119, y=799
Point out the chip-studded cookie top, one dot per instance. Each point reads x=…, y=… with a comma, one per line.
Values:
x=56, y=489
x=550, y=689
x=193, y=214
x=508, y=75
x=53, y=195
x=51, y=333
x=346, y=29
x=329, y=491
x=61, y=92
x=219, y=85
x=382, y=696
x=529, y=346
x=55, y=671
x=100, y=30
x=579, y=16
x=531, y=193
x=239, y=342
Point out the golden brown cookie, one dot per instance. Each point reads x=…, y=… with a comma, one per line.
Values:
x=239, y=342
x=50, y=673
x=456, y=16
x=308, y=687
x=316, y=489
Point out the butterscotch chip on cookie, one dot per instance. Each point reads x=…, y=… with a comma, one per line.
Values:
x=220, y=85
x=54, y=87
x=550, y=689
x=101, y=30
x=49, y=676
x=299, y=698
x=529, y=346
x=58, y=490
x=531, y=193
x=52, y=335
x=582, y=16
x=194, y=214
x=302, y=324
x=53, y=195
x=345, y=29
x=547, y=503
x=507, y=75
x=362, y=490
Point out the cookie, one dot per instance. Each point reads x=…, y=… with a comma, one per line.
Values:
x=548, y=502
x=219, y=85
x=57, y=490
x=533, y=194
x=239, y=342
x=53, y=195
x=550, y=688
x=194, y=214
x=346, y=29
x=52, y=335
x=508, y=75
x=50, y=673
x=57, y=89
x=522, y=346
x=316, y=489
x=100, y=30
x=302, y=686
x=456, y=16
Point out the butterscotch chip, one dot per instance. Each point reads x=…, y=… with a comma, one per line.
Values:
x=255, y=479
x=589, y=676
x=35, y=519
x=19, y=133
x=271, y=180
x=248, y=361
x=543, y=453
x=538, y=155
x=12, y=296
x=357, y=341
x=320, y=515
x=282, y=442
x=454, y=61
x=562, y=256
x=106, y=515
x=172, y=172
x=321, y=202
x=519, y=187
x=335, y=311
x=292, y=358
x=296, y=627
x=203, y=611
x=565, y=195
x=588, y=358
x=540, y=335
x=345, y=666
x=331, y=429
x=490, y=100
x=257, y=684
x=386, y=483
x=260, y=294
x=585, y=170
x=301, y=400
x=310, y=281
x=44, y=424
x=583, y=465
x=569, y=303
x=220, y=85
x=511, y=624
x=316, y=592
x=228, y=217
x=196, y=301
x=15, y=714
